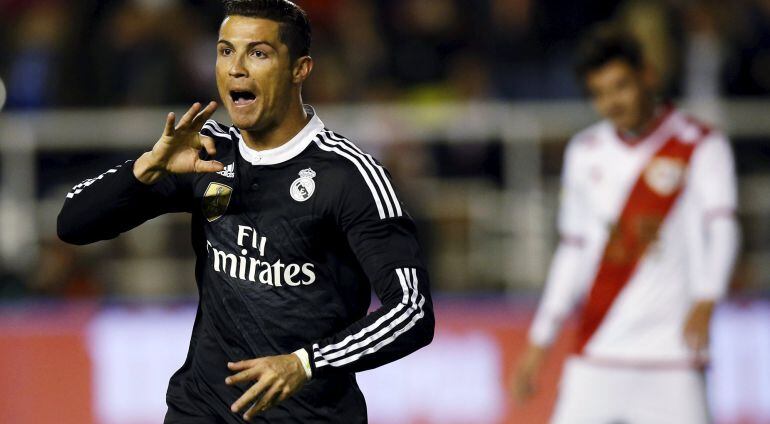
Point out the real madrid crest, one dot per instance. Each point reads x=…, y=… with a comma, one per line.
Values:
x=216, y=198
x=665, y=175
x=304, y=186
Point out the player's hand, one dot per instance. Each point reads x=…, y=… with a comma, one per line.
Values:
x=696, y=328
x=523, y=381
x=277, y=378
x=177, y=151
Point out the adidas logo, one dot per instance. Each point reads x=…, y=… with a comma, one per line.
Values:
x=229, y=171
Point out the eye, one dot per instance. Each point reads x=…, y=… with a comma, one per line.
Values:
x=225, y=51
x=258, y=54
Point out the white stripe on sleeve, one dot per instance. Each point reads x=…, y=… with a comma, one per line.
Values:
x=77, y=189
x=215, y=129
x=370, y=338
x=380, y=169
x=368, y=165
x=320, y=143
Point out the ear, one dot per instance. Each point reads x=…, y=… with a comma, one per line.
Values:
x=302, y=69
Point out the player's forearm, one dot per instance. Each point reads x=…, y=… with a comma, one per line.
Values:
x=723, y=240
x=417, y=333
x=562, y=289
x=402, y=325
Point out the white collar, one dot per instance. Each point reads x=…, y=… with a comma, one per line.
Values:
x=286, y=151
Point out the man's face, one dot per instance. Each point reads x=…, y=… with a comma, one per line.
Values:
x=254, y=72
x=621, y=93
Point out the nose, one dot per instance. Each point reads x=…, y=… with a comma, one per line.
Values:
x=237, y=69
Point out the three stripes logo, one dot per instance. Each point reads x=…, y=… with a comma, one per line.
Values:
x=388, y=205
x=214, y=128
x=380, y=333
x=229, y=171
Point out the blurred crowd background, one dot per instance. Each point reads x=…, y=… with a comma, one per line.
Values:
x=134, y=55
x=133, y=52
x=469, y=103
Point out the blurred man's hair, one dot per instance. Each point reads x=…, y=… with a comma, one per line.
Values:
x=294, y=22
x=605, y=44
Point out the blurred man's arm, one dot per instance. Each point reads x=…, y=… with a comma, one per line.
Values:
x=565, y=282
x=562, y=291
x=714, y=183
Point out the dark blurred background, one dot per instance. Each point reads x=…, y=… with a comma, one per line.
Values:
x=145, y=54
x=468, y=103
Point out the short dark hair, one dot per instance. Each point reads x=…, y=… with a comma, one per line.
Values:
x=294, y=22
x=605, y=44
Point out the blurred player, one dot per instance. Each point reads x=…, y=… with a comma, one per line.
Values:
x=648, y=239
x=292, y=225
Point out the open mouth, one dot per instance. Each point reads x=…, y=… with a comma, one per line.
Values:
x=242, y=98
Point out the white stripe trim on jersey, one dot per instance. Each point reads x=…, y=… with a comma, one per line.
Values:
x=214, y=126
x=359, y=158
x=322, y=146
x=78, y=188
x=327, y=351
x=216, y=130
x=324, y=360
x=345, y=356
x=218, y=125
x=374, y=163
x=381, y=344
x=322, y=356
x=372, y=172
x=405, y=288
x=375, y=176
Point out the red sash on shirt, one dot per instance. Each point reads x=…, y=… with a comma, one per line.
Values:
x=651, y=199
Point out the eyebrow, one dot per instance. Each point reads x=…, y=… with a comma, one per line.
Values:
x=250, y=45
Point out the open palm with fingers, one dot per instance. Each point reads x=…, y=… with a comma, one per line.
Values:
x=178, y=149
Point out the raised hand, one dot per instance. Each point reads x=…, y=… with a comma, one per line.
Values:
x=177, y=151
x=277, y=378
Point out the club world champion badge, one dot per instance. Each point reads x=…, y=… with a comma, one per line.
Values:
x=216, y=198
x=304, y=186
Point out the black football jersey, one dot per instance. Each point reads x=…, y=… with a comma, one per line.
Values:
x=289, y=243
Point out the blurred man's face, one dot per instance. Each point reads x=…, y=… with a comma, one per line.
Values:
x=621, y=94
x=254, y=73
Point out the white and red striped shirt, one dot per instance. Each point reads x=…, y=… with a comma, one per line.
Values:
x=690, y=258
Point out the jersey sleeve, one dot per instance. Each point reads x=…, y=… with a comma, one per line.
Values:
x=712, y=177
x=383, y=238
x=113, y=202
x=571, y=218
x=566, y=277
x=714, y=234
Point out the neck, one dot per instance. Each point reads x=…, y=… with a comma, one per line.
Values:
x=649, y=120
x=653, y=116
x=275, y=136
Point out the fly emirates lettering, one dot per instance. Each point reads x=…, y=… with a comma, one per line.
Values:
x=249, y=268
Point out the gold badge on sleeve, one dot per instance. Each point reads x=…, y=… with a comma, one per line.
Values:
x=216, y=198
